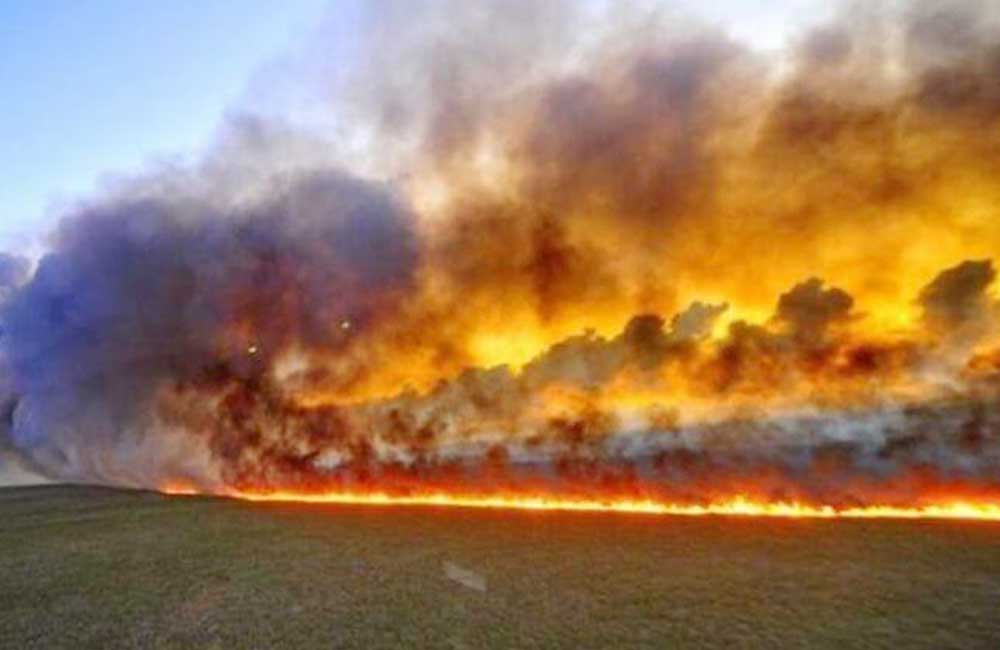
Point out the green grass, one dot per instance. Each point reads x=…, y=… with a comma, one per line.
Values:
x=94, y=568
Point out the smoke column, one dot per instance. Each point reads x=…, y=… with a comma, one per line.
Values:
x=574, y=251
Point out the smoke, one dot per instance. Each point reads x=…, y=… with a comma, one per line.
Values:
x=957, y=302
x=13, y=272
x=141, y=294
x=808, y=310
x=583, y=249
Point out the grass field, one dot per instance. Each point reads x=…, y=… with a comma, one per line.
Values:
x=95, y=568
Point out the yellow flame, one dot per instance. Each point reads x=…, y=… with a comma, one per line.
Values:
x=736, y=506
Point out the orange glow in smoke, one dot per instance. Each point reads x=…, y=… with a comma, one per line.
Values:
x=740, y=506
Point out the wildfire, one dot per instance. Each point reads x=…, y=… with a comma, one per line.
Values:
x=586, y=282
x=738, y=506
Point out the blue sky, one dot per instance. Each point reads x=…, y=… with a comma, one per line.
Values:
x=95, y=87
x=89, y=87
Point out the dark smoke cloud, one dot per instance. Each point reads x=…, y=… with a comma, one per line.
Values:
x=256, y=319
x=809, y=309
x=665, y=143
x=958, y=299
x=140, y=295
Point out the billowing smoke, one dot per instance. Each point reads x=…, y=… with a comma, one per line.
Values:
x=582, y=251
x=140, y=295
x=13, y=273
x=957, y=301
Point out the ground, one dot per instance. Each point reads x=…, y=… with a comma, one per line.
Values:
x=96, y=568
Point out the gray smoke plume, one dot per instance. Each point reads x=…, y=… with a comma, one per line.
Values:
x=957, y=303
x=141, y=294
x=255, y=319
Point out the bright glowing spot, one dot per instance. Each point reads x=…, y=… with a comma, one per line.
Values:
x=736, y=506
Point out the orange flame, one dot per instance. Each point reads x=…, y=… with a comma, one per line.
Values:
x=739, y=505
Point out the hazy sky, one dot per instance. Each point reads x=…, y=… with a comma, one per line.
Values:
x=101, y=86
x=95, y=86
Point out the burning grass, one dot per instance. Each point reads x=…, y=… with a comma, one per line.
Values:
x=738, y=506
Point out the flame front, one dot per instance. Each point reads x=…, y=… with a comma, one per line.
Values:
x=736, y=506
